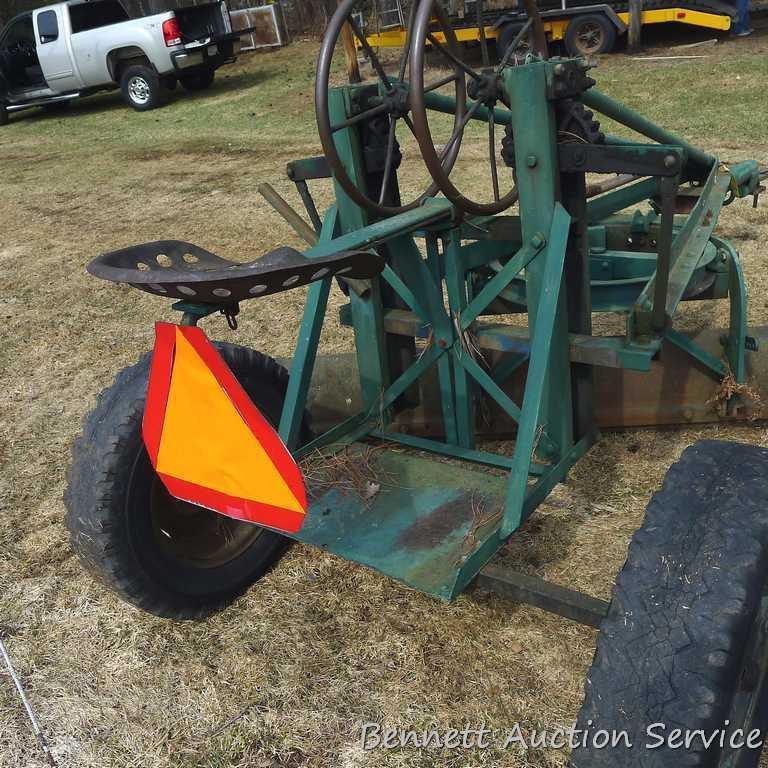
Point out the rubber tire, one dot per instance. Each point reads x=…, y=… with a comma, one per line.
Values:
x=110, y=536
x=670, y=649
x=199, y=80
x=158, y=94
x=571, y=35
x=506, y=37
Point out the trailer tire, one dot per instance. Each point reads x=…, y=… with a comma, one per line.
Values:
x=590, y=35
x=507, y=36
x=198, y=81
x=122, y=522
x=684, y=641
x=142, y=88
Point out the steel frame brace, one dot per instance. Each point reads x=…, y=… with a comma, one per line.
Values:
x=549, y=597
x=436, y=297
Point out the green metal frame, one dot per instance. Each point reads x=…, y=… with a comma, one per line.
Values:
x=444, y=290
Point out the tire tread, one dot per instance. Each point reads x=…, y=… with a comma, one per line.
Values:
x=671, y=647
x=97, y=484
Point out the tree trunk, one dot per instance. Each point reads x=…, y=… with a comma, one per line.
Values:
x=348, y=39
x=481, y=29
x=635, y=25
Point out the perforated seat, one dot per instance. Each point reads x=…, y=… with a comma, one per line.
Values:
x=181, y=270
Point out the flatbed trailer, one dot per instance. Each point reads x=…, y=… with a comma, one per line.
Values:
x=583, y=28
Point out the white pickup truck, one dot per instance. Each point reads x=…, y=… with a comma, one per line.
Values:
x=61, y=52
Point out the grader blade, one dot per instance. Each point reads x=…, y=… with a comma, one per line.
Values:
x=675, y=391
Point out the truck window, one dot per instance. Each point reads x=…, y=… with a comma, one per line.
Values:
x=47, y=26
x=92, y=15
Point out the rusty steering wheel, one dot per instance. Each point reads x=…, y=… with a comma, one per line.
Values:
x=484, y=92
x=392, y=102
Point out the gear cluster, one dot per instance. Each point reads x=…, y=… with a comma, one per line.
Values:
x=575, y=124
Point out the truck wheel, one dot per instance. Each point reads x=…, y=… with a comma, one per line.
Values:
x=507, y=37
x=142, y=88
x=684, y=643
x=167, y=557
x=198, y=81
x=590, y=35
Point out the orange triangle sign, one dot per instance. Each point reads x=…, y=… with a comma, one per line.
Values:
x=209, y=443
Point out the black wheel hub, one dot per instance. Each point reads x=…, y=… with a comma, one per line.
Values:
x=196, y=536
x=397, y=101
x=486, y=89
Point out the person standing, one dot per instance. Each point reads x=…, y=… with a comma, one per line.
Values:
x=741, y=27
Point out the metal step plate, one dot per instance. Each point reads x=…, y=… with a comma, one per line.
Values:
x=413, y=518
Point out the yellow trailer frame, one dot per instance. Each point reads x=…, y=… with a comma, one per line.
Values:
x=556, y=28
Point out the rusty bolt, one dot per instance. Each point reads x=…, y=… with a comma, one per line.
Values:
x=442, y=343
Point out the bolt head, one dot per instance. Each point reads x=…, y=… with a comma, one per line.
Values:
x=670, y=161
x=531, y=161
x=559, y=70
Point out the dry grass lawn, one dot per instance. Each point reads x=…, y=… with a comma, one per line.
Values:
x=286, y=676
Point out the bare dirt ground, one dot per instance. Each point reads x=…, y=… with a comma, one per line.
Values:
x=287, y=676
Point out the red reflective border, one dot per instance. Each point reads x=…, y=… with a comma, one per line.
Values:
x=154, y=417
x=159, y=387
x=277, y=518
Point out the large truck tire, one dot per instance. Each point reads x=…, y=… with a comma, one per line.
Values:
x=684, y=643
x=166, y=557
x=590, y=35
x=198, y=80
x=142, y=88
x=507, y=36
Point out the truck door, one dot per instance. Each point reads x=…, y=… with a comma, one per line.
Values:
x=18, y=53
x=53, y=51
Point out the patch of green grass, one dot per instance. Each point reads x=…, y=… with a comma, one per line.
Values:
x=261, y=100
x=719, y=99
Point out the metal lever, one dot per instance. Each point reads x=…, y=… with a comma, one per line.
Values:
x=303, y=230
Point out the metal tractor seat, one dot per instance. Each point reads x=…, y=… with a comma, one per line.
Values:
x=175, y=269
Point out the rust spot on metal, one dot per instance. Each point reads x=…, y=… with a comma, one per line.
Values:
x=433, y=529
